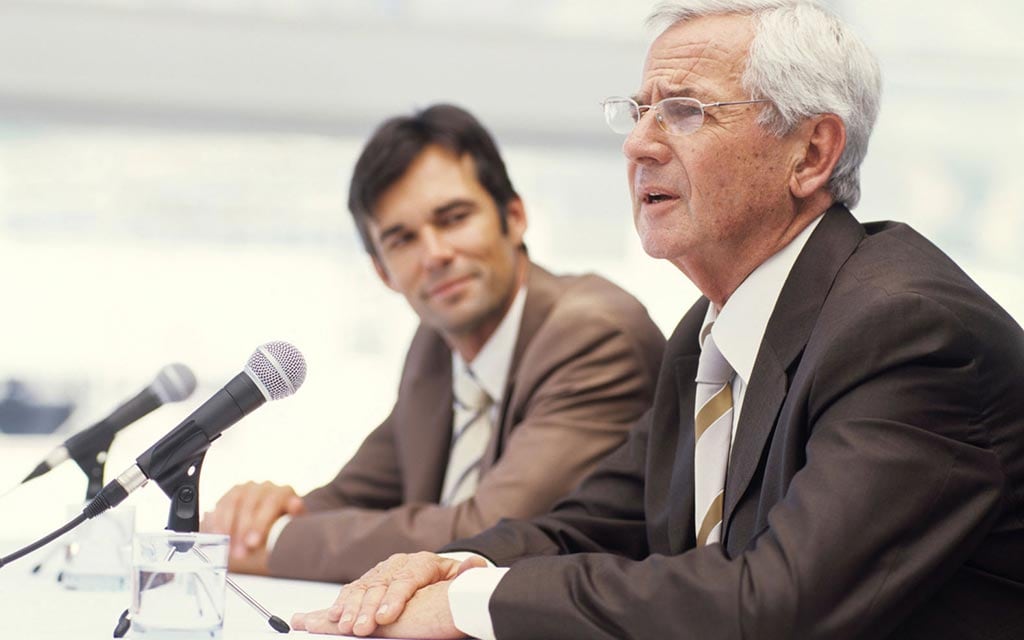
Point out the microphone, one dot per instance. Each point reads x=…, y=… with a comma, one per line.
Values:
x=173, y=383
x=275, y=370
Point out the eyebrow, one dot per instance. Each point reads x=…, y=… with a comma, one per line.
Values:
x=457, y=203
x=685, y=92
x=390, y=231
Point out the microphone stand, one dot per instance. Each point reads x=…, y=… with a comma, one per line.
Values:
x=92, y=462
x=181, y=484
x=91, y=458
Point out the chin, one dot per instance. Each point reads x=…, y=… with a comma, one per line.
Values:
x=657, y=246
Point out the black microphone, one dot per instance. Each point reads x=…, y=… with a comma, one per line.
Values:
x=174, y=383
x=275, y=370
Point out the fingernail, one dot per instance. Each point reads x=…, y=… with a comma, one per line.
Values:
x=347, y=617
x=252, y=539
x=362, y=619
x=383, y=609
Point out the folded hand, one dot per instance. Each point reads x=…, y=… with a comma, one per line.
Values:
x=381, y=595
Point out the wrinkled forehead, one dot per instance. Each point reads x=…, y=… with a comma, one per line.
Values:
x=704, y=58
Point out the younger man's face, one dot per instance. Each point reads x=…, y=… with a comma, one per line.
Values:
x=440, y=244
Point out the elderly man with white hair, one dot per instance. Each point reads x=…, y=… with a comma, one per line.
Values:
x=836, y=445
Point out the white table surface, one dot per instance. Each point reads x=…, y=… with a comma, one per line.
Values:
x=37, y=607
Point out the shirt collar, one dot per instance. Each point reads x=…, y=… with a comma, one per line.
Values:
x=740, y=324
x=490, y=366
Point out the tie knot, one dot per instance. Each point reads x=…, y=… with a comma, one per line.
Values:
x=712, y=367
x=469, y=394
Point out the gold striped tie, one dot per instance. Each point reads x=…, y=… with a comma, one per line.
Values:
x=470, y=436
x=713, y=438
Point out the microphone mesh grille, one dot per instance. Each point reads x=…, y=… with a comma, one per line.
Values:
x=174, y=383
x=278, y=367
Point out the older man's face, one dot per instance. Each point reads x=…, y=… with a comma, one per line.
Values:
x=713, y=194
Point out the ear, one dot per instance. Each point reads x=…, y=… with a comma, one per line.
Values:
x=823, y=139
x=382, y=273
x=515, y=217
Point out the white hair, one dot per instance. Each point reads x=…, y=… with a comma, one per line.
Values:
x=806, y=62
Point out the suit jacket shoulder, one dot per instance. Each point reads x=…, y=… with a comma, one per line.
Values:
x=874, y=486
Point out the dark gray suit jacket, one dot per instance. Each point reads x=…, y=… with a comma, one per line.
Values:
x=875, y=488
x=583, y=371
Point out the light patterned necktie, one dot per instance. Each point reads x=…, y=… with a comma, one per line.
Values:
x=713, y=430
x=471, y=433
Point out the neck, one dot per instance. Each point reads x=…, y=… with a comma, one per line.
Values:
x=469, y=345
x=720, y=272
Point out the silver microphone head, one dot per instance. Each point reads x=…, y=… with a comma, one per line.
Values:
x=277, y=368
x=174, y=383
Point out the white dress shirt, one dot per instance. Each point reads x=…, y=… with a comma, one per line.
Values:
x=490, y=367
x=738, y=332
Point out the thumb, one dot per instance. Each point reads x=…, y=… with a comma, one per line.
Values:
x=295, y=506
x=472, y=562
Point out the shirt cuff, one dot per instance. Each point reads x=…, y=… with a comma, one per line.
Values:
x=275, y=531
x=468, y=598
x=459, y=556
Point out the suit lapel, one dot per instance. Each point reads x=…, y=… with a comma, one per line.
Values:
x=429, y=418
x=681, y=530
x=789, y=328
x=542, y=291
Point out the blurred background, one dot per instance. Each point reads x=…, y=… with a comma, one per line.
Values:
x=173, y=180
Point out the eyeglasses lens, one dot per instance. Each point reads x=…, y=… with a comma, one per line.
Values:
x=681, y=115
x=621, y=115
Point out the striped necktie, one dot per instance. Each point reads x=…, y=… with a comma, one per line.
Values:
x=471, y=433
x=713, y=430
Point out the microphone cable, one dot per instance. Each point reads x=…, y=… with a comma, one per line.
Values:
x=112, y=495
x=24, y=551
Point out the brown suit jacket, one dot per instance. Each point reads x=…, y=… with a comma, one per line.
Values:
x=875, y=487
x=582, y=373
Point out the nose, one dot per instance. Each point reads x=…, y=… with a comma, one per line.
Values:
x=437, y=251
x=645, y=144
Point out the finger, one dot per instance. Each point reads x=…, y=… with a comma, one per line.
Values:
x=207, y=522
x=354, y=594
x=472, y=562
x=224, y=513
x=313, y=622
x=393, y=603
x=427, y=616
x=351, y=600
x=266, y=512
x=422, y=570
x=295, y=506
x=335, y=610
x=334, y=613
x=244, y=510
x=366, y=616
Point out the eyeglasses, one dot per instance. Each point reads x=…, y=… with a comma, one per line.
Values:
x=677, y=116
